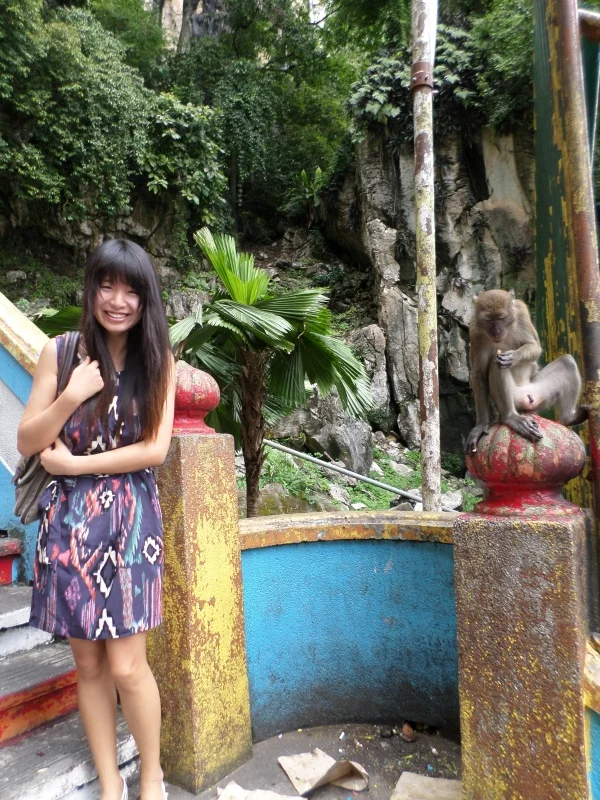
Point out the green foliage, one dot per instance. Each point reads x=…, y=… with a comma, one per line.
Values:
x=281, y=95
x=183, y=156
x=294, y=329
x=454, y=463
x=54, y=322
x=72, y=128
x=79, y=131
x=503, y=38
x=40, y=281
x=304, y=199
x=379, y=499
x=300, y=478
x=265, y=349
x=483, y=72
x=382, y=96
x=138, y=29
x=370, y=25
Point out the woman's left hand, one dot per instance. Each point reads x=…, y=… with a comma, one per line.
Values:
x=58, y=459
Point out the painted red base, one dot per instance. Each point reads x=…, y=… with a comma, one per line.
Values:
x=6, y=570
x=526, y=477
x=47, y=701
x=197, y=394
x=9, y=550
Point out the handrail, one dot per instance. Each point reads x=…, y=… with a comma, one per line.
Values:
x=335, y=468
x=589, y=24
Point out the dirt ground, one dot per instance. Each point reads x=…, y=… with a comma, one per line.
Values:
x=384, y=759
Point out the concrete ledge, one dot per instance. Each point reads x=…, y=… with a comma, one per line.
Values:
x=20, y=336
x=412, y=526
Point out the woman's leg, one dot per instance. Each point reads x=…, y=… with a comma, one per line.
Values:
x=140, y=702
x=98, y=708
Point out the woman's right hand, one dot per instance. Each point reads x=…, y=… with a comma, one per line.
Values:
x=85, y=381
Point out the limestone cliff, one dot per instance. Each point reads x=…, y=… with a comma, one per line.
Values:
x=484, y=227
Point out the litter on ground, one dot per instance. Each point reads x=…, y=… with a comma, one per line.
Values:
x=307, y=771
x=420, y=787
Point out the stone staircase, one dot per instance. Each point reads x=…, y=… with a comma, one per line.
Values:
x=43, y=751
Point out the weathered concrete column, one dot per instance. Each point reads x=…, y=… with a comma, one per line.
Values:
x=198, y=654
x=524, y=567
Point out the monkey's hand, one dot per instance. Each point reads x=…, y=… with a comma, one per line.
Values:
x=525, y=425
x=506, y=359
x=474, y=437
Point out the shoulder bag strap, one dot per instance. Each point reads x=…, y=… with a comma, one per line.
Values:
x=66, y=362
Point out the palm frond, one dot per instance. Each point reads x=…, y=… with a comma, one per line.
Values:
x=330, y=362
x=217, y=321
x=302, y=305
x=269, y=328
x=54, y=322
x=182, y=329
x=286, y=378
x=244, y=282
x=217, y=363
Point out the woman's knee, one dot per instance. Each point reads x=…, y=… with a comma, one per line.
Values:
x=90, y=659
x=128, y=673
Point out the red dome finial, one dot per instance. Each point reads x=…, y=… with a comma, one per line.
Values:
x=521, y=476
x=196, y=394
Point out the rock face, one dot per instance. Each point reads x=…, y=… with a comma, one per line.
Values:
x=369, y=344
x=484, y=236
x=326, y=429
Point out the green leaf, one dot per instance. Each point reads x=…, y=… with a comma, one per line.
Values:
x=54, y=322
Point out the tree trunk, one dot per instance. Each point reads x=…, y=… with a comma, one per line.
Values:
x=253, y=423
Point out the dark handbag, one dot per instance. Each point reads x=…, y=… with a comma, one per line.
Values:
x=30, y=478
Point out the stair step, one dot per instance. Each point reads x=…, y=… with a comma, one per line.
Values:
x=15, y=633
x=10, y=549
x=54, y=762
x=36, y=687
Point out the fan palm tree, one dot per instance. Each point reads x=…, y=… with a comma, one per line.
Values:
x=263, y=348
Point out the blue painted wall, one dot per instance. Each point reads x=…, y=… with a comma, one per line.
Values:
x=594, y=762
x=14, y=375
x=350, y=631
x=15, y=384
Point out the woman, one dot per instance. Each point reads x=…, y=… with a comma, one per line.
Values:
x=99, y=559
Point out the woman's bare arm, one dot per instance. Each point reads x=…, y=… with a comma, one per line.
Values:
x=131, y=458
x=45, y=414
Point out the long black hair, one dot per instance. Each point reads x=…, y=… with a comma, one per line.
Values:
x=148, y=363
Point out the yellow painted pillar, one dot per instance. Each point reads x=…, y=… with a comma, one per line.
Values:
x=198, y=654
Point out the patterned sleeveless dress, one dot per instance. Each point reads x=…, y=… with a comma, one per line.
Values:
x=99, y=557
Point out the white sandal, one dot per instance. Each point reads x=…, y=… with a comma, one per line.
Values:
x=125, y=794
x=164, y=791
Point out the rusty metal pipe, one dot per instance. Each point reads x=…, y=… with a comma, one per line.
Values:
x=565, y=42
x=424, y=23
x=589, y=24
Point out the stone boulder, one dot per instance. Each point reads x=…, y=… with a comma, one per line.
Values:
x=348, y=441
x=370, y=345
x=325, y=428
x=275, y=499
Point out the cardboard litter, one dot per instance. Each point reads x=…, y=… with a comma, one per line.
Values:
x=420, y=787
x=235, y=792
x=307, y=771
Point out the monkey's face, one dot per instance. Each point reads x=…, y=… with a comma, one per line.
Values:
x=496, y=326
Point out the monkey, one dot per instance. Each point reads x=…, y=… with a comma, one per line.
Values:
x=505, y=349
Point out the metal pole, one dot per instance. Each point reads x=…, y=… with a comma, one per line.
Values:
x=424, y=21
x=580, y=202
x=335, y=468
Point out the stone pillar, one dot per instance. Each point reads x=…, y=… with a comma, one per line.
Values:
x=526, y=596
x=198, y=654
